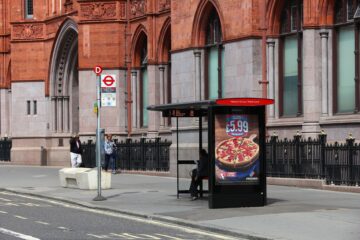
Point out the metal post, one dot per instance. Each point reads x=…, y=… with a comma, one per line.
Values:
x=98, y=145
x=177, y=155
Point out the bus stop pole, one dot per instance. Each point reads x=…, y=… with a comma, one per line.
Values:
x=98, y=145
x=177, y=155
x=200, y=135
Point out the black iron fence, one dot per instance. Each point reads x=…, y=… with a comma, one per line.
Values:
x=314, y=158
x=5, y=149
x=145, y=154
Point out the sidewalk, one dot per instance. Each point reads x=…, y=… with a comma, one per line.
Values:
x=291, y=213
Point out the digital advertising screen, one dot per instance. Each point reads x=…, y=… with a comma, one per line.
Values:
x=237, y=149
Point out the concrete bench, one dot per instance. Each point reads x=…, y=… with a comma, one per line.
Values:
x=83, y=178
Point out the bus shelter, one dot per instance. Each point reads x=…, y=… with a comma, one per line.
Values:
x=236, y=146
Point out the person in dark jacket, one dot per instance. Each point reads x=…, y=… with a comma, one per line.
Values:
x=199, y=173
x=75, y=151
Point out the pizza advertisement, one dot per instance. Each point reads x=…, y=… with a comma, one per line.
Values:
x=236, y=149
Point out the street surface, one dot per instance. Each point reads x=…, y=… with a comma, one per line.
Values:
x=30, y=218
x=291, y=213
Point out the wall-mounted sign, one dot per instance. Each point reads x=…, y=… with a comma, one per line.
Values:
x=108, y=90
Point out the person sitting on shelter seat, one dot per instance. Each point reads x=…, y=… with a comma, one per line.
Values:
x=199, y=173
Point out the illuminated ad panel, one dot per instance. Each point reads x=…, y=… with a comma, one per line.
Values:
x=237, y=149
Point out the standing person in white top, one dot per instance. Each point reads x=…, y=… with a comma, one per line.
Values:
x=75, y=151
x=110, y=153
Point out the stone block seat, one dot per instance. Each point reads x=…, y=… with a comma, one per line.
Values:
x=83, y=178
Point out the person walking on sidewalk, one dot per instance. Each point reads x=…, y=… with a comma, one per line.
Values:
x=199, y=173
x=75, y=151
x=110, y=154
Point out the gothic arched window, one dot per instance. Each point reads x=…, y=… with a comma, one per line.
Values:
x=291, y=59
x=214, y=66
x=346, y=57
x=144, y=85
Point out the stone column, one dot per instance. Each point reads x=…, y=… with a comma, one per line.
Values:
x=162, y=92
x=66, y=114
x=134, y=95
x=311, y=83
x=198, y=83
x=271, y=75
x=324, y=34
x=54, y=114
x=59, y=114
x=153, y=94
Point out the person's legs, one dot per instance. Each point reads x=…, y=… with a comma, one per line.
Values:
x=78, y=160
x=112, y=163
x=106, y=164
x=73, y=159
x=193, y=186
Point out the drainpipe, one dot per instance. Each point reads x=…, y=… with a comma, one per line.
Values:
x=128, y=101
x=263, y=29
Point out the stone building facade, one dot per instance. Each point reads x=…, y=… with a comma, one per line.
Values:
x=302, y=53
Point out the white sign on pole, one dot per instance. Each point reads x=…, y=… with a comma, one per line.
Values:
x=108, y=90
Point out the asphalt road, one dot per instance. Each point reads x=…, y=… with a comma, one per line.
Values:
x=32, y=218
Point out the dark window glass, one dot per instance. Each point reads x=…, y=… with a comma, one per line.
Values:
x=29, y=8
x=35, y=107
x=28, y=107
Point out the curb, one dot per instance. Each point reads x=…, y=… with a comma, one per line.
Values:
x=311, y=183
x=165, y=219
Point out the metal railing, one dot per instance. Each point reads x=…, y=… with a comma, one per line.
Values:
x=314, y=158
x=145, y=154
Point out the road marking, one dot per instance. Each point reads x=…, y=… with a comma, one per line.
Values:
x=21, y=217
x=123, y=216
x=150, y=237
x=64, y=228
x=5, y=200
x=30, y=204
x=97, y=236
x=43, y=223
x=16, y=234
x=125, y=236
x=11, y=204
x=3, y=212
x=169, y=237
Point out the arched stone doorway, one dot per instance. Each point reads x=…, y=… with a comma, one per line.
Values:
x=64, y=80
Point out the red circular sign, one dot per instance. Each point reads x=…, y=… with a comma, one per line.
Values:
x=98, y=70
x=108, y=80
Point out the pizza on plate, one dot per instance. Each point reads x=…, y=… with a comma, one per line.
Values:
x=237, y=152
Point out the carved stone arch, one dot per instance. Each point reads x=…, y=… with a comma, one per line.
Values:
x=201, y=19
x=274, y=15
x=164, y=42
x=63, y=79
x=139, y=38
x=66, y=38
x=326, y=13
